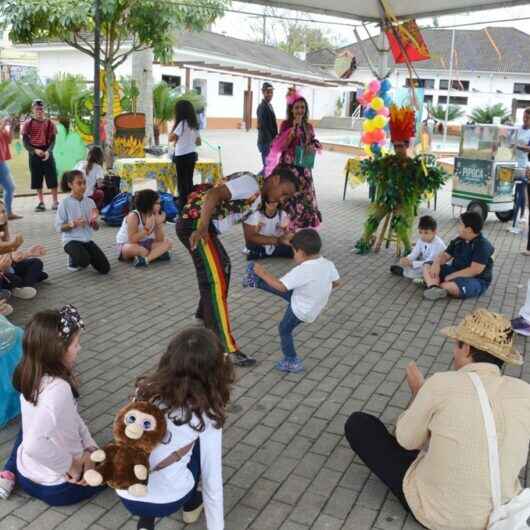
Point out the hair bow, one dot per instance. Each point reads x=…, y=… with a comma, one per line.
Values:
x=70, y=321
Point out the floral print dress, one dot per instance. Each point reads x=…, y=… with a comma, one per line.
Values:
x=302, y=208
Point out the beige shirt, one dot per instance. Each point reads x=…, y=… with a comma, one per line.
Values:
x=448, y=486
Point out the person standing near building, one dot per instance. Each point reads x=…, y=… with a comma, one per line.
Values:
x=6, y=182
x=267, y=124
x=38, y=134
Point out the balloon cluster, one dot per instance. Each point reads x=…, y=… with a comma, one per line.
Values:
x=376, y=101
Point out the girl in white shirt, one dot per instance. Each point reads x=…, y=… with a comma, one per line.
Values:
x=53, y=448
x=94, y=173
x=192, y=385
x=185, y=134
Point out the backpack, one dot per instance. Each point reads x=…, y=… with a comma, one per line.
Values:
x=110, y=187
x=114, y=213
x=168, y=206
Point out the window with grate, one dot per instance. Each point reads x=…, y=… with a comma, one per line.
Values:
x=226, y=89
x=453, y=100
x=456, y=84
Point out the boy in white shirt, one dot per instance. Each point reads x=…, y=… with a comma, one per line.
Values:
x=306, y=287
x=266, y=233
x=427, y=248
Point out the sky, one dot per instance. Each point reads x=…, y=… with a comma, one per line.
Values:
x=245, y=27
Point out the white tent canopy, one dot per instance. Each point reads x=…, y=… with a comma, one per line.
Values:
x=370, y=10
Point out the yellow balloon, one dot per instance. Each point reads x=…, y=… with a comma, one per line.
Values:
x=377, y=104
x=368, y=150
x=379, y=121
x=367, y=126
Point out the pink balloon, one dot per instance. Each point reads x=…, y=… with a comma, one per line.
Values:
x=382, y=143
x=366, y=138
x=362, y=100
x=368, y=96
x=374, y=86
x=384, y=112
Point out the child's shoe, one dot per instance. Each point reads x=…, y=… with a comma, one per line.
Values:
x=140, y=261
x=71, y=266
x=25, y=293
x=296, y=366
x=192, y=511
x=514, y=230
x=283, y=365
x=397, y=270
x=7, y=484
x=434, y=293
x=249, y=278
x=164, y=257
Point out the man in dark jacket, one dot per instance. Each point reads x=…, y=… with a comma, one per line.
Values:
x=267, y=125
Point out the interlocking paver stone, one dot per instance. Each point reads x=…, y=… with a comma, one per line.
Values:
x=287, y=465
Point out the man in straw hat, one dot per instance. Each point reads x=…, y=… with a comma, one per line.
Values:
x=437, y=463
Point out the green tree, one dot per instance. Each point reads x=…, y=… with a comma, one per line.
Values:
x=301, y=38
x=126, y=26
x=486, y=113
x=438, y=112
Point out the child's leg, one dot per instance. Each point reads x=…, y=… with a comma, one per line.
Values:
x=158, y=248
x=11, y=463
x=260, y=284
x=30, y=271
x=98, y=260
x=428, y=277
x=256, y=252
x=283, y=251
x=286, y=327
x=79, y=255
x=132, y=250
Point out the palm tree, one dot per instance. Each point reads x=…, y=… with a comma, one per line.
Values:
x=486, y=113
x=438, y=112
x=164, y=100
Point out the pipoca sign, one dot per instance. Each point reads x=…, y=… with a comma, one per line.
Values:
x=473, y=172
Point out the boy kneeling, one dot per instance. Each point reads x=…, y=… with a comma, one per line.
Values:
x=470, y=271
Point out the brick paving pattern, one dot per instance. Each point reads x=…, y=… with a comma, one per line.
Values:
x=287, y=465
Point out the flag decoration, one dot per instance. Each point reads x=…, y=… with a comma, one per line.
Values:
x=406, y=43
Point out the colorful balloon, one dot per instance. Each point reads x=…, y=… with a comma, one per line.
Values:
x=377, y=104
x=379, y=121
x=386, y=85
x=369, y=95
x=370, y=113
x=387, y=100
x=368, y=137
x=384, y=112
x=376, y=150
x=368, y=126
x=374, y=86
x=378, y=136
x=368, y=150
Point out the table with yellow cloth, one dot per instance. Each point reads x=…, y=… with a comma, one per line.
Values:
x=352, y=174
x=132, y=170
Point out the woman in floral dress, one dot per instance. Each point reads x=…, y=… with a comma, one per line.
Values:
x=296, y=133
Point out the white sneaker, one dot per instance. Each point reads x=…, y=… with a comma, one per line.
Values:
x=522, y=220
x=515, y=230
x=25, y=293
x=5, y=308
x=245, y=251
x=69, y=266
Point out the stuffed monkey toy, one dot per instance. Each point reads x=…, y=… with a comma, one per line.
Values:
x=138, y=428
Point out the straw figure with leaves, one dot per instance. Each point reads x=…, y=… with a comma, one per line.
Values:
x=399, y=182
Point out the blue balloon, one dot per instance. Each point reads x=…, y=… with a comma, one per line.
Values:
x=386, y=85
x=376, y=149
x=387, y=100
x=370, y=113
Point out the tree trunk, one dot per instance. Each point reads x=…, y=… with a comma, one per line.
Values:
x=109, y=118
x=142, y=70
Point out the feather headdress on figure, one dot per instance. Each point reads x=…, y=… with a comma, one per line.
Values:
x=402, y=123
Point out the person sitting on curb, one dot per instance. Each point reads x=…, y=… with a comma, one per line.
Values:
x=437, y=464
x=470, y=271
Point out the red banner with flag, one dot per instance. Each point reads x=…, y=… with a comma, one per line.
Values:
x=406, y=43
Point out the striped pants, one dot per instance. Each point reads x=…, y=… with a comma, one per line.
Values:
x=212, y=266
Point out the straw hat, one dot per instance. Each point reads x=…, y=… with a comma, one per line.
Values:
x=489, y=332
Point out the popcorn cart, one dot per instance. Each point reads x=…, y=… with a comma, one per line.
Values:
x=484, y=171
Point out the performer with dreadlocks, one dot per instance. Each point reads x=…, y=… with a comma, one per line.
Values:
x=399, y=183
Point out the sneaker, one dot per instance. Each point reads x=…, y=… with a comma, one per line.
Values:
x=249, y=278
x=296, y=366
x=192, y=511
x=25, y=293
x=284, y=366
x=40, y=207
x=5, y=309
x=14, y=217
x=420, y=282
x=397, y=270
x=514, y=230
x=241, y=359
x=434, y=293
x=245, y=251
x=70, y=265
x=7, y=484
x=521, y=326
x=55, y=206
x=146, y=523
x=164, y=257
x=140, y=261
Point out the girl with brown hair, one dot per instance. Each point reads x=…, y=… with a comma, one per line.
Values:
x=52, y=450
x=192, y=386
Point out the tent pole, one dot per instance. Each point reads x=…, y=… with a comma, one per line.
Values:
x=449, y=87
x=383, y=55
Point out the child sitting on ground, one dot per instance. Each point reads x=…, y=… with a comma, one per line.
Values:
x=21, y=270
x=266, y=234
x=192, y=386
x=141, y=237
x=426, y=249
x=77, y=218
x=306, y=288
x=94, y=173
x=470, y=271
x=53, y=446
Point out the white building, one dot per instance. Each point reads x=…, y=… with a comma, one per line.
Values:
x=229, y=73
x=491, y=66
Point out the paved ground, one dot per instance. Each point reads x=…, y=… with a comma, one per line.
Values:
x=287, y=465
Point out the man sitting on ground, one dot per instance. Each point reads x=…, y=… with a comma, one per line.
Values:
x=470, y=271
x=437, y=464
